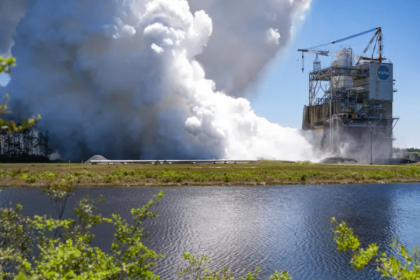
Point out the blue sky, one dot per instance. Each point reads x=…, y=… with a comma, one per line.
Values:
x=3, y=79
x=283, y=89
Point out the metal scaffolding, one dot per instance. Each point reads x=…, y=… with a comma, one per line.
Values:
x=352, y=100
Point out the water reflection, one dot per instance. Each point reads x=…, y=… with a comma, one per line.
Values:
x=276, y=228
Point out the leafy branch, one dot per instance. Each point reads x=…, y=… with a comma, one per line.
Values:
x=6, y=65
x=30, y=248
x=196, y=269
x=405, y=265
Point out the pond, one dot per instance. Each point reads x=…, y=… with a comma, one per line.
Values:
x=273, y=227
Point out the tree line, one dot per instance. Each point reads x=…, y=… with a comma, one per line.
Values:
x=410, y=150
x=25, y=146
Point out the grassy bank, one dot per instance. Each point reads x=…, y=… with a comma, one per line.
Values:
x=260, y=173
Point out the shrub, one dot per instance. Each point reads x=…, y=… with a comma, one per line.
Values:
x=197, y=269
x=63, y=246
x=17, y=172
x=123, y=172
x=78, y=173
x=305, y=162
x=108, y=178
x=31, y=179
x=404, y=265
x=49, y=176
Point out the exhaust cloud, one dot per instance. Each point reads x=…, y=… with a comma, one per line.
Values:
x=150, y=79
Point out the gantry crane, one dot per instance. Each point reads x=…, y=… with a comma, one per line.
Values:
x=377, y=35
x=356, y=106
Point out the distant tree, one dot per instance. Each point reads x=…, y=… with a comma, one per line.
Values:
x=47, y=150
x=396, y=150
x=25, y=146
x=28, y=142
x=40, y=142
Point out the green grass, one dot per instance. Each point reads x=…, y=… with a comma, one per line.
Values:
x=260, y=173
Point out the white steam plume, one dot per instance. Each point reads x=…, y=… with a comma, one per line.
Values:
x=247, y=34
x=121, y=78
x=11, y=11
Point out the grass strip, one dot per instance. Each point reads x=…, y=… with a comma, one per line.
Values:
x=259, y=173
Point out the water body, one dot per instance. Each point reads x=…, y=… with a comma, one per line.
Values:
x=274, y=227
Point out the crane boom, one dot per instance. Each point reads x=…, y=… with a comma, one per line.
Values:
x=377, y=34
x=353, y=36
x=317, y=52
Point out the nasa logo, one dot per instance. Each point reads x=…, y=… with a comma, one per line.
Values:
x=383, y=73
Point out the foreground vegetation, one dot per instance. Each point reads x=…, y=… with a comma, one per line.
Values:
x=401, y=264
x=55, y=248
x=259, y=173
x=43, y=247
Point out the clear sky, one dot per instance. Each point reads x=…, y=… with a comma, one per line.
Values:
x=3, y=79
x=283, y=89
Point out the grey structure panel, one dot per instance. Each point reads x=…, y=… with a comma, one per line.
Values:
x=381, y=81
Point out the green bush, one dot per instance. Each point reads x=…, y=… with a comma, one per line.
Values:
x=180, y=179
x=47, y=175
x=197, y=269
x=123, y=172
x=31, y=179
x=16, y=172
x=64, y=249
x=108, y=178
x=404, y=265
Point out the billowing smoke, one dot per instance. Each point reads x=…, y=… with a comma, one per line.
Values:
x=11, y=11
x=127, y=78
x=246, y=35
